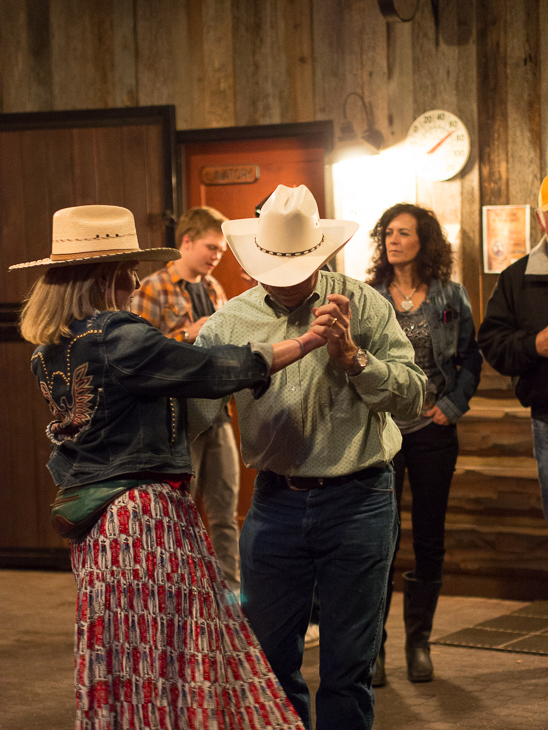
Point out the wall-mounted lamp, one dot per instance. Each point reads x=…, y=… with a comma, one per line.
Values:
x=349, y=145
x=403, y=10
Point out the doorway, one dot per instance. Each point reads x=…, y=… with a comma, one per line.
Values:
x=234, y=170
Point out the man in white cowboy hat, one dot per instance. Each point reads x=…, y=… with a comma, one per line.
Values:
x=322, y=440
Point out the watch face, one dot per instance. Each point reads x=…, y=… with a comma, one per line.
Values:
x=361, y=357
x=439, y=144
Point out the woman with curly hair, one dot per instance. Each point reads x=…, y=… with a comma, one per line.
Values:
x=412, y=269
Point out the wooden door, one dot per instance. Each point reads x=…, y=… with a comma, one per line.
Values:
x=279, y=154
x=50, y=161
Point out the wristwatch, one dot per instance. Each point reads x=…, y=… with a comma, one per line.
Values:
x=359, y=362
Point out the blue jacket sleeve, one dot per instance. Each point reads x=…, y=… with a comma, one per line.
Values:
x=144, y=361
x=468, y=362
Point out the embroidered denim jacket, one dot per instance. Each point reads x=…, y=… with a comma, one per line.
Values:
x=116, y=389
x=456, y=352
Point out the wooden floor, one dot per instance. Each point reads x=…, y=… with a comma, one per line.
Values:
x=473, y=689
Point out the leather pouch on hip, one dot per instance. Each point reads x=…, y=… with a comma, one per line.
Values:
x=76, y=509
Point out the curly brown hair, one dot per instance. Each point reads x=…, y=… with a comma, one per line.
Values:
x=435, y=257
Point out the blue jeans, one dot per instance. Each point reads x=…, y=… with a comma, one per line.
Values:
x=342, y=538
x=540, y=444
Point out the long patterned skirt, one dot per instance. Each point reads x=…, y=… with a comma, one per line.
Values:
x=160, y=641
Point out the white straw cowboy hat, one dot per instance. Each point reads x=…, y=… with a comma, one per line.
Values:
x=289, y=241
x=94, y=233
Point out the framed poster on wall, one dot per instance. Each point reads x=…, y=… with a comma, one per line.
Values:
x=506, y=235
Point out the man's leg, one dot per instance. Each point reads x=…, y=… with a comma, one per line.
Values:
x=215, y=457
x=353, y=530
x=278, y=581
x=540, y=443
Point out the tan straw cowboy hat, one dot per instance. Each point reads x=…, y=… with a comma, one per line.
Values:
x=289, y=241
x=94, y=233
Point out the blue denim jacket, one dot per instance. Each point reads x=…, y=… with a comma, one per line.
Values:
x=116, y=390
x=456, y=352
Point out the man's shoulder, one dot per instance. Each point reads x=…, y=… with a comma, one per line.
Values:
x=517, y=269
x=255, y=294
x=245, y=305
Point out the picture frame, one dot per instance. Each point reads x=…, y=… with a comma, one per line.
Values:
x=506, y=235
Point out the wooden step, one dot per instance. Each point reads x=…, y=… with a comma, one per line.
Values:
x=489, y=525
x=523, y=467
x=506, y=437
x=487, y=546
x=496, y=408
x=491, y=380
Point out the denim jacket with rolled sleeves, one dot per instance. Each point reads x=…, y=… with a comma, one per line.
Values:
x=117, y=387
x=456, y=352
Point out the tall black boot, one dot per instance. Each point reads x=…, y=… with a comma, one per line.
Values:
x=379, y=678
x=420, y=599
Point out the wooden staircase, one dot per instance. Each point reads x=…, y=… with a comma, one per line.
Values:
x=496, y=535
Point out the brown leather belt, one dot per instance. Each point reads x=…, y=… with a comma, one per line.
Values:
x=305, y=484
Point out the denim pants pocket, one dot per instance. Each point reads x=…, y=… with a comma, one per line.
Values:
x=540, y=446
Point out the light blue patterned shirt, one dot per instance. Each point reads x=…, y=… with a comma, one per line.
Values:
x=314, y=420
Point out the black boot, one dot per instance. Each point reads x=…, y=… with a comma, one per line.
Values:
x=419, y=605
x=379, y=678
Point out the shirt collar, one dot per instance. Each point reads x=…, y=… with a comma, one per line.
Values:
x=176, y=277
x=173, y=273
x=537, y=264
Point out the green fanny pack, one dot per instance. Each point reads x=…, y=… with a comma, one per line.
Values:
x=76, y=509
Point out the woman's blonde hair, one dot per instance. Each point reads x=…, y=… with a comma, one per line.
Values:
x=65, y=293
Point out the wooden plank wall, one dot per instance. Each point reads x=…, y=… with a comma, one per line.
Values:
x=241, y=62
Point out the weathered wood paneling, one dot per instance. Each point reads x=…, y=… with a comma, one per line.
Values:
x=260, y=63
x=239, y=62
x=164, y=73
x=82, y=54
x=25, y=56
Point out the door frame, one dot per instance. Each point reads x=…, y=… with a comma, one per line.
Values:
x=42, y=556
x=324, y=129
x=79, y=118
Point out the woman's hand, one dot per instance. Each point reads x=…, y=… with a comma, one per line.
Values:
x=437, y=416
x=333, y=323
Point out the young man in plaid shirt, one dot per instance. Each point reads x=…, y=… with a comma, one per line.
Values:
x=178, y=299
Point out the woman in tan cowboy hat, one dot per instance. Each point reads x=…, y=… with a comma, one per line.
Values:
x=160, y=640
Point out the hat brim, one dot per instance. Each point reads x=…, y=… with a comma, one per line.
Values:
x=275, y=270
x=146, y=254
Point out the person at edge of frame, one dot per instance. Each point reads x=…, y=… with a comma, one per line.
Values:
x=513, y=336
x=178, y=299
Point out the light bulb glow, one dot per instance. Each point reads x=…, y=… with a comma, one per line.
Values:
x=363, y=188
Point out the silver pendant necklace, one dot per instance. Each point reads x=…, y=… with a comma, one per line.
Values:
x=406, y=304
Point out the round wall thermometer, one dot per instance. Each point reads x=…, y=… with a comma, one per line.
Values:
x=439, y=144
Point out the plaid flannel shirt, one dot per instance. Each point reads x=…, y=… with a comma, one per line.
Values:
x=164, y=301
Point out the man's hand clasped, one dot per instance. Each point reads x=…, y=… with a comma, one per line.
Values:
x=333, y=324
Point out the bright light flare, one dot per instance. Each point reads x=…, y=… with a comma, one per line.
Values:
x=363, y=188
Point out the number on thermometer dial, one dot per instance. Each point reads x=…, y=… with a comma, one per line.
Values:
x=439, y=144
